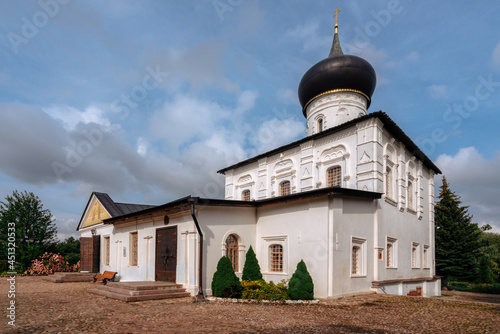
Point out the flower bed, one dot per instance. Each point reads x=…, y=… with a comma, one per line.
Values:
x=50, y=263
x=261, y=301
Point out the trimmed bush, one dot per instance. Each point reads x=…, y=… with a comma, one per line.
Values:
x=260, y=290
x=225, y=283
x=301, y=286
x=251, y=269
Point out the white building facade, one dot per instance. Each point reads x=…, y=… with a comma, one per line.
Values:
x=354, y=199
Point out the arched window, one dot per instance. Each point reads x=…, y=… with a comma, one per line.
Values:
x=410, y=194
x=232, y=250
x=285, y=188
x=356, y=253
x=320, y=124
x=334, y=177
x=245, y=195
x=388, y=182
x=276, y=258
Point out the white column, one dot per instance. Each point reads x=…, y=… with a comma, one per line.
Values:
x=147, y=256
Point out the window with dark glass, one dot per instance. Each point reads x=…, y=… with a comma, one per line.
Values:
x=232, y=250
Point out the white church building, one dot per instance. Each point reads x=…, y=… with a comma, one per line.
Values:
x=354, y=199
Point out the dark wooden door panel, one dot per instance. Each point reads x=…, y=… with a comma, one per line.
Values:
x=166, y=254
x=90, y=253
x=96, y=253
x=85, y=254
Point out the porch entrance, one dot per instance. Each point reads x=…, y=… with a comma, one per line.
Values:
x=166, y=254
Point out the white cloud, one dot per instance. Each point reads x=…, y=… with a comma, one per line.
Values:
x=246, y=101
x=413, y=56
x=287, y=96
x=199, y=71
x=437, y=91
x=308, y=35
x=475, y=179
x=185, y=118
x=71, y=117
x=378, y=58
x=142, y=146
x=277, y=132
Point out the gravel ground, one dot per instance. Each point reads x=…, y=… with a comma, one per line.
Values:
x=45, y=307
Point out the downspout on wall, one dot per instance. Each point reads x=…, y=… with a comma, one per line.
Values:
x=194, y=201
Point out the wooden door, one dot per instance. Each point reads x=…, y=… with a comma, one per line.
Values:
x=166, y=254
x=90, y=254
x=86, y=254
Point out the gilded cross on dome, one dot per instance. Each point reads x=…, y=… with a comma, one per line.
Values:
x=336, y=17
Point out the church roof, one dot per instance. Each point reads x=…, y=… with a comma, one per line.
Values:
x=114, y=209
x=337, y=72
x=389, y=124
x=184, y=203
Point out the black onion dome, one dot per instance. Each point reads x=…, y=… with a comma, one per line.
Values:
x=337, y=72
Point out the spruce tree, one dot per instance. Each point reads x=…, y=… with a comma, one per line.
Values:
x=251, y=269
x=457, y=238
x=301, y=286
x=225, y=283
x=25, y=222
x=485, y=273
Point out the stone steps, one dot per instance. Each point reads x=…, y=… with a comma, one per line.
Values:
x=65, y=277
x=415, y=293
x=139, y=291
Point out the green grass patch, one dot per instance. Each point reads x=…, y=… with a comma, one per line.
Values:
x=475, y=287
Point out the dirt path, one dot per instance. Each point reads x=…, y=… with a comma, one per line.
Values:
x=44, y=307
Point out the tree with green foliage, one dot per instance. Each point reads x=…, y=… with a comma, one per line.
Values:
x=25, y=223
x=251, y=269
x=70, y=249
x=301, y=286
x=225, y=283
x=491, y=248
x=457, y=238
x=485, y=273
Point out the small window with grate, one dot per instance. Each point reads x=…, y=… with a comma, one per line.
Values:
x=245, y=195
x=285, y=188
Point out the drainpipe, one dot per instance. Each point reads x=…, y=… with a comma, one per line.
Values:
x=193, y=202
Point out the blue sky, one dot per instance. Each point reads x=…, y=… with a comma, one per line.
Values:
x=146, y=100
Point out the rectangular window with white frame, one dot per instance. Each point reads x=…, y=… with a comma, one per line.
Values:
x=415, y=255
x=358, y=257
x=275, y=254
x=391, y=253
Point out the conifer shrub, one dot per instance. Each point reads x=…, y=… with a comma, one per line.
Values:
x=485, y=272
x=251, y=269
x=225, y=283
x=301, y=286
